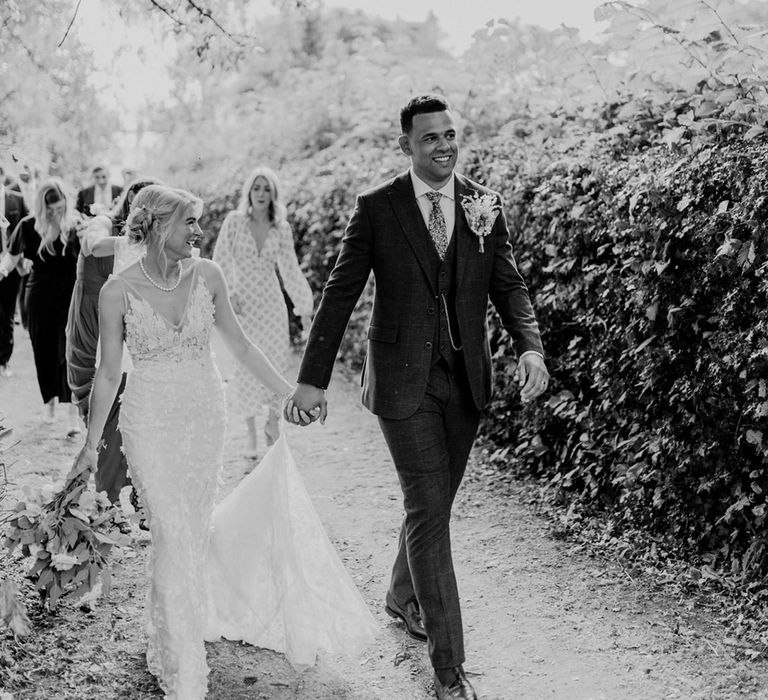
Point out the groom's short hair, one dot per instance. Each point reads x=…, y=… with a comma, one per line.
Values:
x=421, y=104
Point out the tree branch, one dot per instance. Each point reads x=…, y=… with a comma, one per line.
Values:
x=71, y=22
x=207, y=14
x=717, y=14
x=166, y=12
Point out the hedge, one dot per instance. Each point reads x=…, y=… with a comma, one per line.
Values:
x=648, y=274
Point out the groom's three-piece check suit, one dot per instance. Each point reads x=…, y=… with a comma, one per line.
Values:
x=428, y=372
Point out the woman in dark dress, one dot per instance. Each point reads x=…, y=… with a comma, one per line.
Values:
x=49, y=240
x=94, y=266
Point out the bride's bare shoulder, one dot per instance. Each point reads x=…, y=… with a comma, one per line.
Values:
x=112, y=293
x=210, y=269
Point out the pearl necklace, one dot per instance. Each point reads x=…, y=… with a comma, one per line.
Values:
x=160, y=286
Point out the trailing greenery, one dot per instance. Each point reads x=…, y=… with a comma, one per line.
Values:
x=70, y=534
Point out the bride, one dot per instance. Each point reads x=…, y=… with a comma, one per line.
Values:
x=232, y=571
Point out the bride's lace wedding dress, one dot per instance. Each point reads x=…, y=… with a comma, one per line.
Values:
x=259, y=566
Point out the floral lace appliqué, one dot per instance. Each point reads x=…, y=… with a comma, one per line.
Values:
x=151, y=337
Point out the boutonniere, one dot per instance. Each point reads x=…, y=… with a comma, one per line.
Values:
x=481, y=211
x=4, y=223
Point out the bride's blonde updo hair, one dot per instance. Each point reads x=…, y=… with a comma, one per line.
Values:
x=165, y=206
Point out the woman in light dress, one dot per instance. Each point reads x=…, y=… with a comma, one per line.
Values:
x=240, y=571
x=255, y=242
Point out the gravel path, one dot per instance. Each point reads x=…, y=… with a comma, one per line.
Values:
x=542, y=619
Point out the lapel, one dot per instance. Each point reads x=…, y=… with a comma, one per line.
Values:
x=466, y=245
x=408, y=214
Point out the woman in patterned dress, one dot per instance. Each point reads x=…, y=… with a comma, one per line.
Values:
x=254, y=244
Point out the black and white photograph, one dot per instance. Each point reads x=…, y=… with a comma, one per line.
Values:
x=363, y=350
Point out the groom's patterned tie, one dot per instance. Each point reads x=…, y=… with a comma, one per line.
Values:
x=437, y=227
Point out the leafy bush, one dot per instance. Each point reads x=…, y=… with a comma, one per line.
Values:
x=648, y=273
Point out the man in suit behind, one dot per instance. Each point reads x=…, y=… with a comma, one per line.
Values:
x=12, y=210
x=428, y=371
x=98, y=198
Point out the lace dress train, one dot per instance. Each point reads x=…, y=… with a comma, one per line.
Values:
x=258, y=568
x=275, y=579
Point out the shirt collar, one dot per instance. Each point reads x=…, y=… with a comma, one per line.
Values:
x=420, y=187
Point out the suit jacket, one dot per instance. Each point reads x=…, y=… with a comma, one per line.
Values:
x=15, y=211
x=387, y=234
x=86, y=197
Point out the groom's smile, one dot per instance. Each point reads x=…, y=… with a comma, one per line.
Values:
x=433, y=147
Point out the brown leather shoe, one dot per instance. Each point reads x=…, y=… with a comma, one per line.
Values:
x=460, y=688
x=409, y=614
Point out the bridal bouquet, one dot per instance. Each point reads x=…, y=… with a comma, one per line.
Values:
x=70, y=534
x=481, y=211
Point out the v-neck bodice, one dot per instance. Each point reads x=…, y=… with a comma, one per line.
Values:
x=151, y=336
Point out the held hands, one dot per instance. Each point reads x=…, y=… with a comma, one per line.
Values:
x=532, y=376
x=305, y=405
x=306, y=322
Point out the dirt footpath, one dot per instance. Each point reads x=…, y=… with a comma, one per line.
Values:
x=541, y=619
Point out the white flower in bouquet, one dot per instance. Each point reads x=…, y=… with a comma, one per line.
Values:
x=481, y=211
x=63, y=562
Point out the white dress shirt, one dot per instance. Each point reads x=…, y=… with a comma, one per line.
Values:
x=103, y=195
x=447, y=201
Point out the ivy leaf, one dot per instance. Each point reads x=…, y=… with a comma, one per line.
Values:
x=728, y=247
x=79, y=514
x=674, y=136
x=682, y=205
x=746, y=256
x=643, y=345
x=753, y=132
x=754, y=437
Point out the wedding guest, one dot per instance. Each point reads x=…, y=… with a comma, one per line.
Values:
x=129, y=175
x=12, y=210
x=95, y=264
x=28, y=184
x=98, y=198
x=49, y=240
x=255, y=242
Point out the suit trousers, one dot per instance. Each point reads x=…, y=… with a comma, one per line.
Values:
x=430, y=450
x=9, y=290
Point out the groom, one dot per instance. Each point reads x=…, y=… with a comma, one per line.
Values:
x=428, y=370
